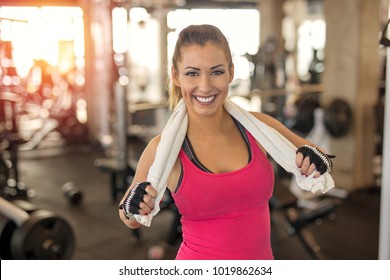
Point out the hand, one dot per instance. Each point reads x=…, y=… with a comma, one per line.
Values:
x=311, y=160
x=140, y=200
x=147, y=204
x=306, y=167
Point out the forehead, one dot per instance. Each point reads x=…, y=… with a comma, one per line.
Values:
x=208, y=54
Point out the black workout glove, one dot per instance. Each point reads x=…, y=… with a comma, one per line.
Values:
x=321, y=160
x=131, y=204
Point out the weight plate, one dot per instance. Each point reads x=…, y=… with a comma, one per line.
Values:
x=304, y=120
x=44, y=236
x=7, y=228
x=338, y=118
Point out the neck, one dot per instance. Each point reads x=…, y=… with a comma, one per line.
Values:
x=208, y=125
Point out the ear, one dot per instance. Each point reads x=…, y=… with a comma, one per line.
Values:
x=231, y=73
x=175, y=77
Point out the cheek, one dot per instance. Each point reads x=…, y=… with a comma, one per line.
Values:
x=187, y=86
x=222, y=85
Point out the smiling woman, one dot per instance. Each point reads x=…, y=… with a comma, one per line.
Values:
x=203, y=77
x=245, y=19
x=221, y=180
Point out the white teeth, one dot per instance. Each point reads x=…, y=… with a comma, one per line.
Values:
x=205, y=99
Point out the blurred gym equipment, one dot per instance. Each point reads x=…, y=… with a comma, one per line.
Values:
x=299, y=220
x=121, y=173
x=338, y=118
x=27, y=232
x=72, y=193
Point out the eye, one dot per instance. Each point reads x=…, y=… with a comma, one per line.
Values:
x=217, y=72
x=191, y=73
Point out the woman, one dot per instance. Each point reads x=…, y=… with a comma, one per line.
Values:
x=222, y=180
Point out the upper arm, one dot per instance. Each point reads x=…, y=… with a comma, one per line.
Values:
x=144, y=163
x=141, y=174
x=146, y=160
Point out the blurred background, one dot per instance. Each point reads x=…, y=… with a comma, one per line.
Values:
x=84, y=87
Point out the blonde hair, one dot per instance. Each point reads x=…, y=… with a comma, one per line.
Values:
x=200, y=35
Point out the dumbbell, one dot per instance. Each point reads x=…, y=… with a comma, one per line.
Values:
x=72, y=193
x=27, y=232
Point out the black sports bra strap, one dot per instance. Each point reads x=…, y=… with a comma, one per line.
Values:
x=189, y=151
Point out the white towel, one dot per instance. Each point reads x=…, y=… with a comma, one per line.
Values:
x=279, y=148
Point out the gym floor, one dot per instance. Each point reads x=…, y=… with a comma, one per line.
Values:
x=351, y=232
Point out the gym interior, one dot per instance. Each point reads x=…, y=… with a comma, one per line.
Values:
x=84, y=89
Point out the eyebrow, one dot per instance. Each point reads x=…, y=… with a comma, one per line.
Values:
x=198, y=69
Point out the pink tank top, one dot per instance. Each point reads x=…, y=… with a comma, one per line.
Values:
x=226, y=216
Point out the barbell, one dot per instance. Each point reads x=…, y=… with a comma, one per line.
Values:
x=337, y=116
x=27, y=232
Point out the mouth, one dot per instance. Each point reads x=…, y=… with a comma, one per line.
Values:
x=205, y=100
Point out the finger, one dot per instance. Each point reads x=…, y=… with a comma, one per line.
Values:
x=149, y=201
x=311, y=170
x=305, y=165
x=317, y=174
x=144, y=209
x=299, y=160
x=152, y=192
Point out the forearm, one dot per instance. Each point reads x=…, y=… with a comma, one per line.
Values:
x=294, y=138
x=145, y=203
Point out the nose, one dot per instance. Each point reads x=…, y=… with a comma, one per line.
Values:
x=204, y=83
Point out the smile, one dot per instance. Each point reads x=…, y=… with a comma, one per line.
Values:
x=205, y=99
